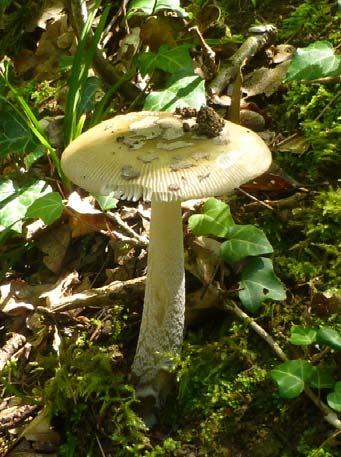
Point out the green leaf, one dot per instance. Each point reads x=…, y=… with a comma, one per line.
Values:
x=171, y=60
x=334, y=398
x=259, y=283
x=329, y=337
x=302, y=336
x=317, y=60
x=7, y=189
x=33, y=156
x=106, y=201
x=180, y=92
x=244, y=241
x=215, y=219
x=322, y=378
x=291, y=376
x=15, y=208
x=48, y=208
x=15, y=135
x=148, y=7
x=89, y=89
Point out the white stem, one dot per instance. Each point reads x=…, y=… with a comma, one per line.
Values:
x=162, y=324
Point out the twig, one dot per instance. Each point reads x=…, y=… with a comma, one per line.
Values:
x=117, y=219
x=289, y=202
x=326, y=80
x=10, y=348
x=93, y=297
x=248, y=49
x=287, y=139
x=327, y=106
x=259, y=202
x=329, y=415
x=16, y=415
x=208, y=53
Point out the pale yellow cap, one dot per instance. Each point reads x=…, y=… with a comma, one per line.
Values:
x=149, y=155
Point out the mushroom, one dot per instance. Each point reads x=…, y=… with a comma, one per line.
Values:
x=149, y=155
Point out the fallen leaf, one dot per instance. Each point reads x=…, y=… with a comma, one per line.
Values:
x=280, y=53
x=54, y=244
x=296, y=145
x=268, y=182
x=265, y=80
x=203, y=258
x=159, y=30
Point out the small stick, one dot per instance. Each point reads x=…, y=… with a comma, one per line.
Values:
x=92, y=297
x=329, y=415
x=326, y=80
x=247, y=50
x=118, y=220
x=259, y=202
x=208, y=53
x=289, y=202
x=10, y=348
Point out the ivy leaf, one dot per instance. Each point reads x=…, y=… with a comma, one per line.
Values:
x=244, y=241
x=180, y=92
x=33, y=156
x=171, y=60
x=329, y=337
x=215, y=219
x=87, y=100
x=259, y=283
x=48, y=208
x=107, y=201
x=302, y=336
x=15, y=208
x=317, y=60
x=291, y=376
x=148, y=7
x=15, y=135
x=334, y=398
x=321, y=378
x=6, y=189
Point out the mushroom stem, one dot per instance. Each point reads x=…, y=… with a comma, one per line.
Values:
x=162, y=326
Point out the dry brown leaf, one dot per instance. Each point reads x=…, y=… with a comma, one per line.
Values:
x=280, y=53
x=54, y=244
x=44, y=63
x=203, y=258
x=83, y=217
x=265, y=80
x=326, y=303
x=202, y=300
x=159, y=30
x=297, y=145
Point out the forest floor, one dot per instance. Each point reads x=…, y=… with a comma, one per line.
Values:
x=72, y=284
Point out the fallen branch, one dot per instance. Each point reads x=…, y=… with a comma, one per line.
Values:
x=288, y=202
x=13, y=416
x=11, y=346
x=248, y=49
x=94, y=297
x=329, y=415
x=79, y=15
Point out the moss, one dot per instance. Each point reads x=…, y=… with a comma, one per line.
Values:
x=310, y=18
x=316, y=111
x=86, y=396
x=314, y=251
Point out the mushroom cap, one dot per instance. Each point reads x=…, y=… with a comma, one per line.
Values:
x=148, y=154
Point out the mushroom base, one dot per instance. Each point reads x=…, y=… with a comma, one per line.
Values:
x=162, y=325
